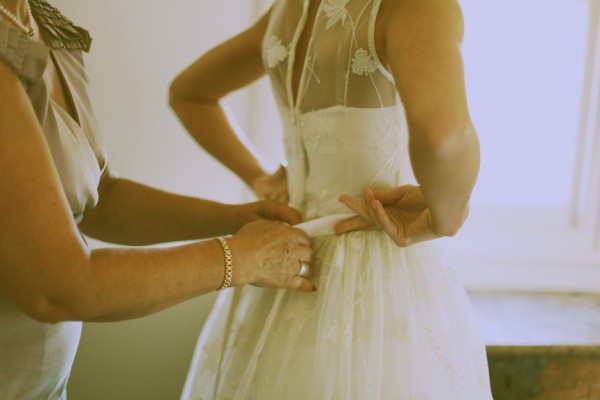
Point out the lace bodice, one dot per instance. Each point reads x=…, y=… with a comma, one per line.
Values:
x=345, y=127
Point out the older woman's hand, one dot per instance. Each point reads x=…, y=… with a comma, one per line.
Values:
x=270, y=254
x=264, y=209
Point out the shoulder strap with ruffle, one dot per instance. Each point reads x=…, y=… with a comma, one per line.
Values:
x=58, y=30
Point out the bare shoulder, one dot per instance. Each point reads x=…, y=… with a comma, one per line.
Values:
x=412, y=16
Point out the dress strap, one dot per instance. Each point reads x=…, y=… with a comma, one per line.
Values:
x=372, y=47
x=26, y=58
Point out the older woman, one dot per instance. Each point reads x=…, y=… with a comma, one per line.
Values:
x=56, y=185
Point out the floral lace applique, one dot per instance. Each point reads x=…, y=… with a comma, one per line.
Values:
x=407, y=330
x=324, y=139
x=394, y=163
x=335, y=10
x=339, y=255
x=326, y=144
x=310, y=66
x=389, y=150
x=333, y=334
x=363, y=63
x=276, y=52
x=339, y=333
x=453, y=371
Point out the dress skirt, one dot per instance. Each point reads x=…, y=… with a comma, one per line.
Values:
x=386, y=323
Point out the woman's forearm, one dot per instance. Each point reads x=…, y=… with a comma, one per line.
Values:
x=446, y=165
x=195, y=96
x=422, y=47
x=69, y=282
x=212, y=128
x=119, y=284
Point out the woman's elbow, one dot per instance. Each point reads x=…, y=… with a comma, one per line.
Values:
x=185, y=96
x=444, y=141
x=45, y=311
x=57, y=299
x=449, y=229
x=175, y=93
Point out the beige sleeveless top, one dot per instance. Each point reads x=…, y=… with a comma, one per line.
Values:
x=36, y=358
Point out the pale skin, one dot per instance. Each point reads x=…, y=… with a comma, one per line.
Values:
x=419, y=43
x=51, y=275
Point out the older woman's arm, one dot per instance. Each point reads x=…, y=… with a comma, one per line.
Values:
x=131, y=213
x=48, y=272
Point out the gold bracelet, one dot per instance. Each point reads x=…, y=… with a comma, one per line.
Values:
x=228, y=264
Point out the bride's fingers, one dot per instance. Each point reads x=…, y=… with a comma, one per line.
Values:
x=388, y=196
x=382, y=219
x=385, y=222
x=352, y=224
x=369, y=201
x=355, y=204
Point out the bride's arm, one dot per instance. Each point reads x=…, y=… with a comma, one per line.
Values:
x=196, y=92
x=422, y=46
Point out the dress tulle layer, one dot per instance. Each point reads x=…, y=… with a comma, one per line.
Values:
x=385, y=323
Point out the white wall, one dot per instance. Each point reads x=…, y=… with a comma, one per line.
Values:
x=139, y=46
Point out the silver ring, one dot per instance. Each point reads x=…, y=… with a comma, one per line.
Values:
x=303, y=269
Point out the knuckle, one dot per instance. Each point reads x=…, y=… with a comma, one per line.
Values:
x=401, y=243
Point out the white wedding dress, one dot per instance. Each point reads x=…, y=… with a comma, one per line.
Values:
x=386, y=322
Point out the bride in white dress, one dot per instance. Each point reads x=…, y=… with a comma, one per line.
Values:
x=354, y=81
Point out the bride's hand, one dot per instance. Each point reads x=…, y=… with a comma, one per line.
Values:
x=272, y=187
x=401, y=212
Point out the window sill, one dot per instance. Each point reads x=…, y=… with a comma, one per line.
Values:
x=522, y=248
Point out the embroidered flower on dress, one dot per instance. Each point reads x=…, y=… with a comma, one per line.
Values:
x=333, y=334
x=338, y=255
x=335, y=10
x=394, y=163
x=407, y=330
x=276, y=52
x=326, y=144
x=339, y=332
x=362, y=63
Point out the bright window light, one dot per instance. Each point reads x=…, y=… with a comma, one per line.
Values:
x=524, y=62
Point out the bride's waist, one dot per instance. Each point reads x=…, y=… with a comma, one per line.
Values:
x=314, y=207
x=324, y=225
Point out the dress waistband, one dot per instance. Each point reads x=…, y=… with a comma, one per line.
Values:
x=323, y=226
